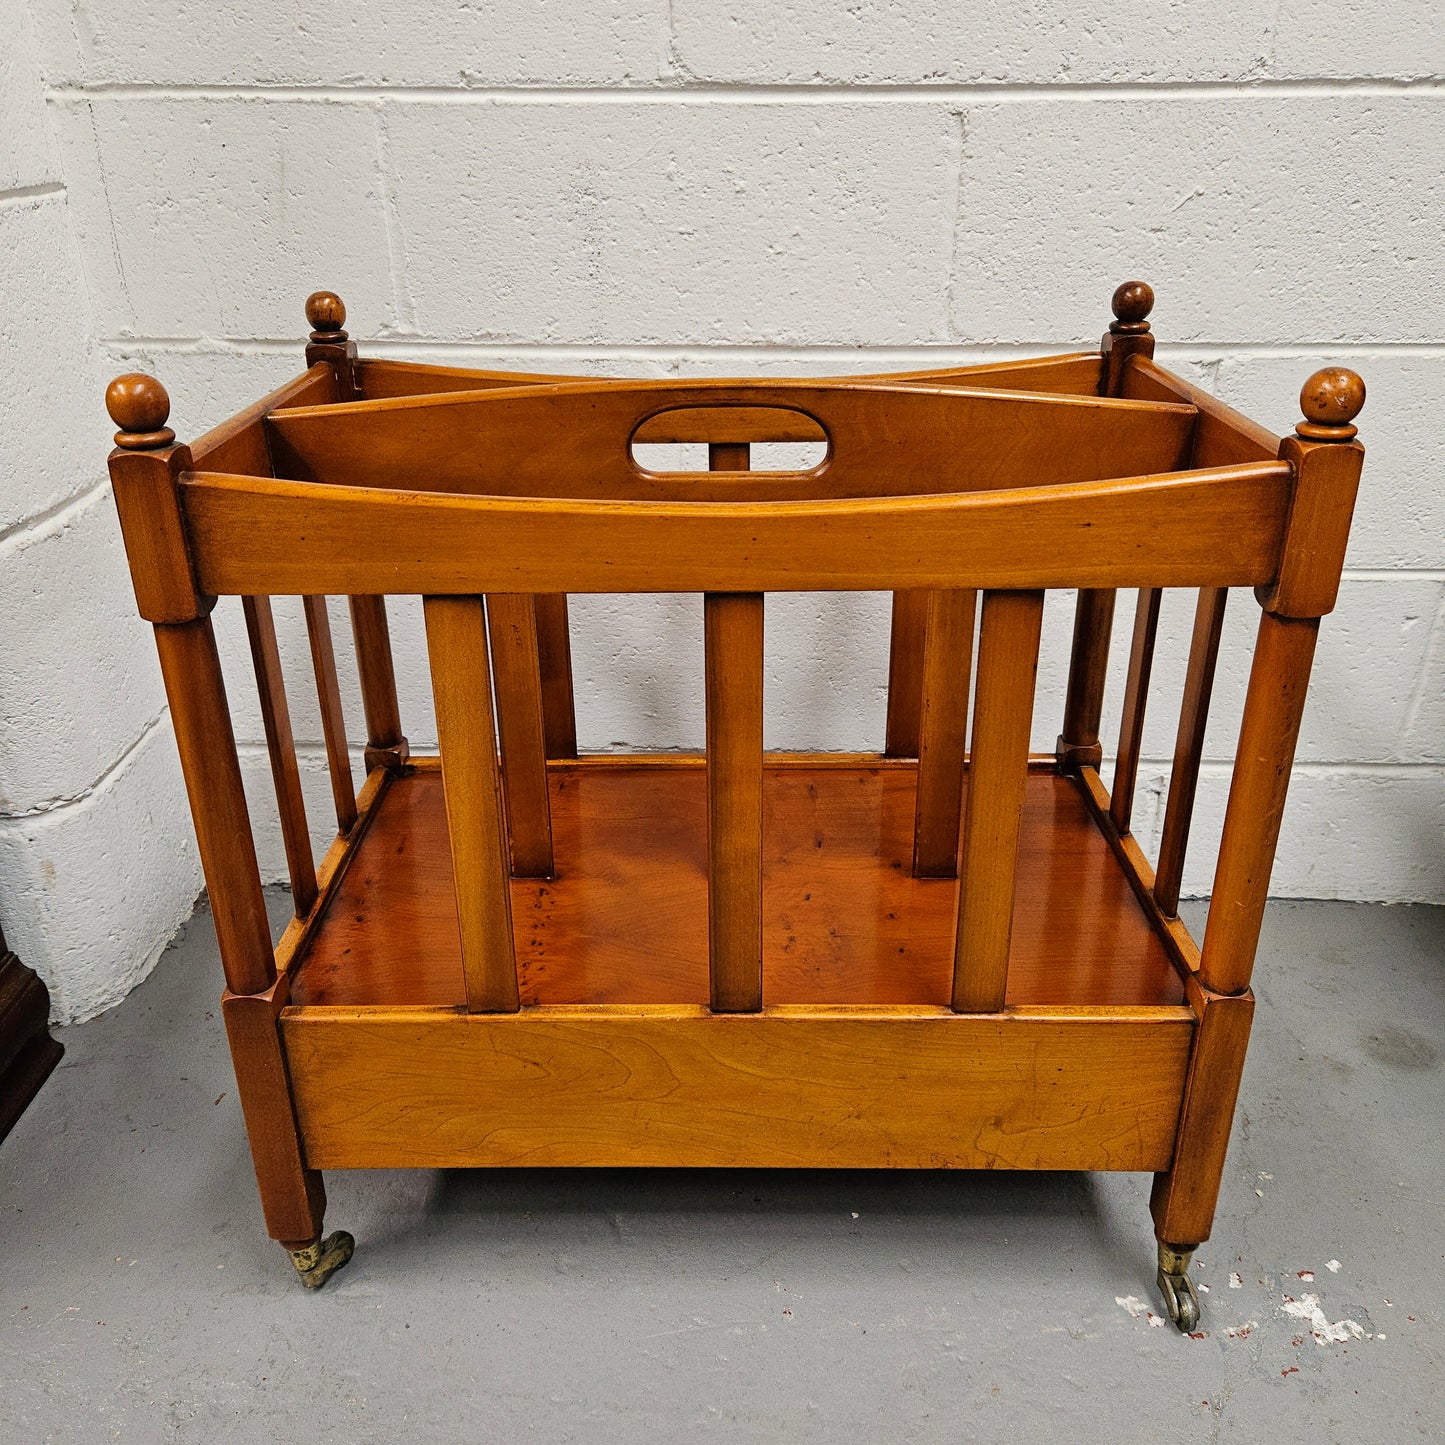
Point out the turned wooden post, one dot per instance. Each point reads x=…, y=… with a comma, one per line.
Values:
x=1078, y=745
x=1327, y=461
x=386, y=745
x=146, y=468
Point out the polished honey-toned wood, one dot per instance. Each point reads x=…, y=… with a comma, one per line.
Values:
x=943, y=731
x=333, y=722
x=786, y=1088
x=281, y=749
x=386, y=744
x=554, y=660
x=625, y=921
x=293, y=1195
x=1136, y=701
x=733, y=638
x=1008, y=659
x=517, y=683
x=738, y=958
x=1268, y=731
x=572, y=440
x=1189, y=745
x=456, y=635
x=1186, y=529
x=907, y=630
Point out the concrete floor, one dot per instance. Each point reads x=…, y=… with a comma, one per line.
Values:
x=141, y=1300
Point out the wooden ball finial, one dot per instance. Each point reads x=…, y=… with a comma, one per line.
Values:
x=1132, y=302
x=139, y=405
x=1331, y=399
x=326, y=312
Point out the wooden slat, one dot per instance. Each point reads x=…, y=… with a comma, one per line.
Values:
x=1008, y=657
x=456, y=631
x=249, y=535
x=281, y=747
x=943, y=732
x=377, y=378
x=385, y=742
x=517, y=681
x=1088, y=668
x=1136, y=700
x=791, y=1088
x=905, y=674
x=1223, y=437
x=884, y=439
x=733, y=627
x=333, y=724
x=1189, y=745
x=1268, y=731
x=554, y=651
x=1074, y=373
x=239, y=445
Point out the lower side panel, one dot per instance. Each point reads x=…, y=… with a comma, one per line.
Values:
x=790, y=1087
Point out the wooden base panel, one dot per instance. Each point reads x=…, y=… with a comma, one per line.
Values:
x=625, y=918
x=795, y=1088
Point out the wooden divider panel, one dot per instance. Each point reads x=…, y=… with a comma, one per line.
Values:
x=1008, y=659
x=574, y=440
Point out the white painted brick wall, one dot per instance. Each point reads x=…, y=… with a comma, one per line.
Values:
x=685, y=185
x=97, y=866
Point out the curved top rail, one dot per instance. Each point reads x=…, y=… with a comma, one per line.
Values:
x=885, y=439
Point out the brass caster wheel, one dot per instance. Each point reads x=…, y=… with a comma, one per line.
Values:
x=318, y=1261
x=1180, y=1301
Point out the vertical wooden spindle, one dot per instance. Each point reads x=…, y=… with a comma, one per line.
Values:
x=333, y=723
x=1189, y=746
x=905, y=673
x=517, y=678
x=386, y=744
x=943, y=732
x=456, y=631
x=1136, y=701
x=281, y=746
x=733, y=627
x=1008, y=660
x=1078, y=745
x=554, y=648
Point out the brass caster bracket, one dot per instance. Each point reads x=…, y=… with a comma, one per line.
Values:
x=1180, y=1301
x=318, y=1261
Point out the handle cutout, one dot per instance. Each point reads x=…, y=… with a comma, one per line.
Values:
x=783, y=440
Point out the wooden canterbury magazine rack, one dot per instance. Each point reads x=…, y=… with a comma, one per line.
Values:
x=950, y=954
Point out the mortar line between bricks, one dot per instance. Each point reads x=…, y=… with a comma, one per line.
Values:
x=381, y=346
x=36, y=524
x=785, y=92
x=84, y=795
